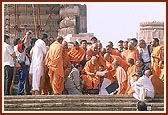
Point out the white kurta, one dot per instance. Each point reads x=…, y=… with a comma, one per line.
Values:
x=143, y=88
x=106, y=82
x=37, y=64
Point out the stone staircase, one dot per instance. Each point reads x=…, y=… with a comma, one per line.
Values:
x=57, y=103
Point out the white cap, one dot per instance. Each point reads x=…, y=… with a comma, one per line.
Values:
x=30, y=31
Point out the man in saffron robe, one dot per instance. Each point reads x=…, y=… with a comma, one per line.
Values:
x=120, y=76
x=66, y=59
x=121, y=61
x=54, y=61
x=131, y=71
x=156, y=56
x=161, y=65
x=132, y=52
x=77, y=54
x=112, y=51
x=157, y=83
x=93, y=51
x=91, y=80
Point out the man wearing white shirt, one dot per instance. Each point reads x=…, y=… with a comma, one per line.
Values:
x=37, y=64
x=145, y=52
x=142, y=87
x=9, y=55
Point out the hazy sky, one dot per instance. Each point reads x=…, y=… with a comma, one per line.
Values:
x=115, y=21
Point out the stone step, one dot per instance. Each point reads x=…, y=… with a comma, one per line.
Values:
x=81, y=109
x=77, y=103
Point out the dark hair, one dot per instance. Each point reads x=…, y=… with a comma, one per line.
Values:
x=43, y=36
x=76, y=43
x=16, y=41
x=6, y=37
x=156, y=39
x=134, y=39
x=138, y=74
x=141, y=106
x=131, y=61
x=94, y=38
x=33, y=40
x=83, y=41
x=101, y=66
x=76, y=65
x=59, y=38
x=125, y=42
x=121, y=41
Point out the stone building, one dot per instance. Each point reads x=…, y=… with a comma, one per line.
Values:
x=53, y=19
x=149, y=30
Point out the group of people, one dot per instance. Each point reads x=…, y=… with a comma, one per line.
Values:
x=49, y=66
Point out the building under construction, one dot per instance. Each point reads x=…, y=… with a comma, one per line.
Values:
x=53, y=19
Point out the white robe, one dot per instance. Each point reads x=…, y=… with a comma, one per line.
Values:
x=106, y=82
x=37, y=64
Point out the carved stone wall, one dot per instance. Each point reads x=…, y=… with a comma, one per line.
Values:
x=53, y=19
x=149, y=30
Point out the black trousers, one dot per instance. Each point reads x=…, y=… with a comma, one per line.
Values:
x=8, y=74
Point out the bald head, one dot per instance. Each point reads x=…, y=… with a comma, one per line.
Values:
x=107, y=56
x=95, y=47
x=94, y=60
x=115, y=64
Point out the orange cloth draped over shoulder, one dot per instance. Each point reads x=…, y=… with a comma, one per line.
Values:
x=77, y=55
x=54, y=61
x=157, y=51
x=134, y=54
x=158, y=84
x=101, y=60
x=91, y=82
x=162, y=75
x=115, y=52
x=121, y=77
x=131, y=71
x=122, y=62
x=111, y=72
x=66, y=63
x=89, y=54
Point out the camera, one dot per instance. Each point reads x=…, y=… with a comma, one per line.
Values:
x=148, y=107
x=142, y=106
